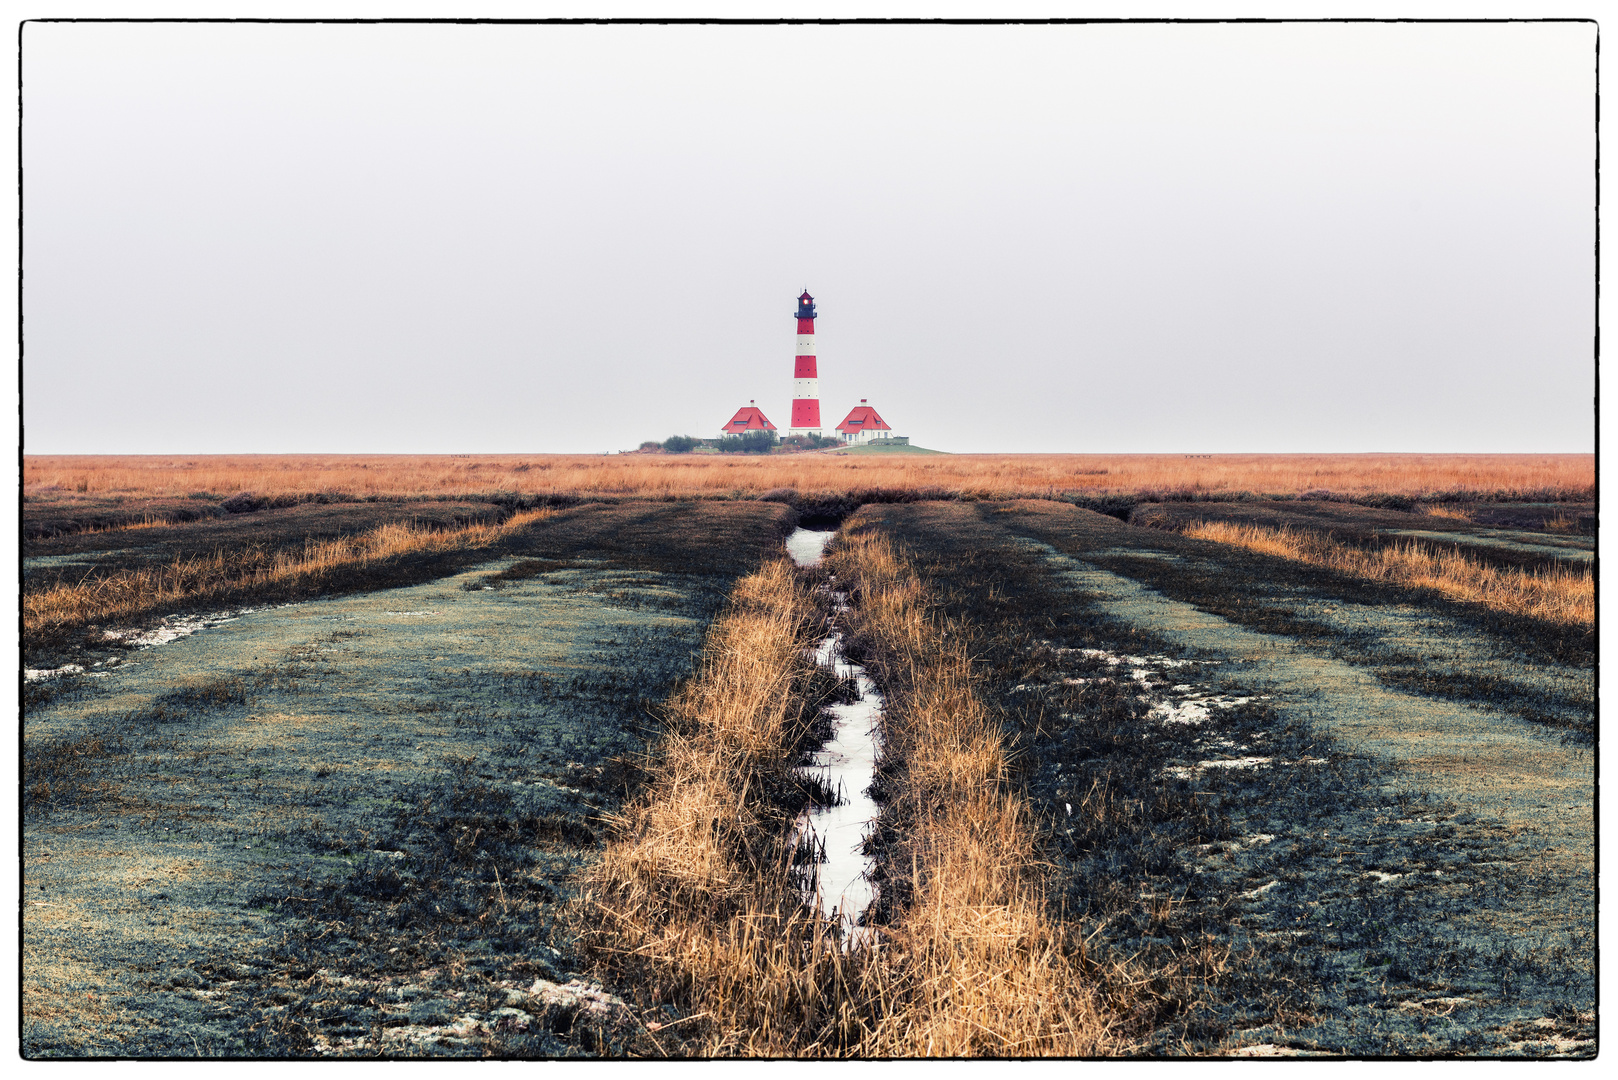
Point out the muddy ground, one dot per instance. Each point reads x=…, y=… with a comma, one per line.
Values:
x=347, y=825
x=1246, y=791
x=1327, y=816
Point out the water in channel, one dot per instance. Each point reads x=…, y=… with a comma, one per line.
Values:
x=847, y=762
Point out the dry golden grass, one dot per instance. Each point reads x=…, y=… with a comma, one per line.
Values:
x=133, y=593
x=149, y=521
x=688, y=474
x=978, y=963
x=1561, y=594
x=694, y=902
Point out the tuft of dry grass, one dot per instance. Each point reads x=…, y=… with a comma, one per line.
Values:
x=1560, y=594
x=130, y=594
x=1005, y=475
x=147, y=521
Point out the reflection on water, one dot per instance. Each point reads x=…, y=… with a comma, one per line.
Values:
x=807, y=545
x=847, y=762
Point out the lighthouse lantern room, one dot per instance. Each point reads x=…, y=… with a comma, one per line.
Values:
x=805, y=377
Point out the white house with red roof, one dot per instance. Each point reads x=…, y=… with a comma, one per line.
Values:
x=862, y=425
x=748, y=418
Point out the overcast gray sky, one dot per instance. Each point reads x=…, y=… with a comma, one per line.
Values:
x=1179, y=238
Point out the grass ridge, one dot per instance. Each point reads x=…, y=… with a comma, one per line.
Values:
x=981, y=962
x=1561, y=594
x=138, y=592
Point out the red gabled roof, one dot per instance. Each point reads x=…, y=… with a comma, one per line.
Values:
x=862, y=418
x=748, y=418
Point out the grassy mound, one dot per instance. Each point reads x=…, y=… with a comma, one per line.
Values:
x=879, y=448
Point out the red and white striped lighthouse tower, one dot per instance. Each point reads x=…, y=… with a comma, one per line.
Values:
x=805, y=379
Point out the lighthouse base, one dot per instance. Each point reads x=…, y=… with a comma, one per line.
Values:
x=803, y=431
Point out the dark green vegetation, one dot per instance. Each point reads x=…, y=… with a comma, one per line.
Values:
x=753, y=442
x=748, y=442
x=341, y=826
x=1281, y=888
x=680, y=444
x=812, y=442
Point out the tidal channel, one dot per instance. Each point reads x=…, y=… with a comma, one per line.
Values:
x=840, y=883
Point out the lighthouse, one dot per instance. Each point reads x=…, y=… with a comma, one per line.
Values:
x=805, y=379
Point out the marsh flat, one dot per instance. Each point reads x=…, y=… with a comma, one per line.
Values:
x=154, y=904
